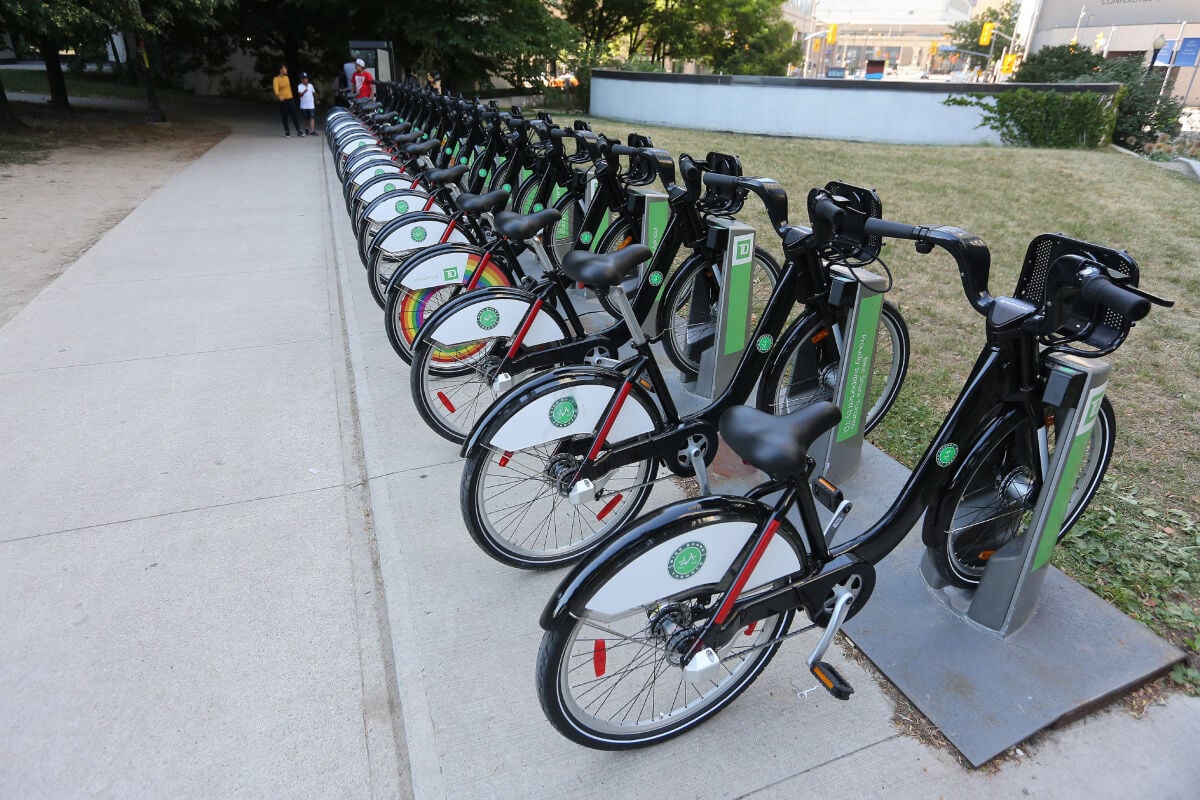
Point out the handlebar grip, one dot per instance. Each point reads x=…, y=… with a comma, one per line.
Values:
x=1099, y=289
x=719, y=181
x=622, y=150
x=893, y=230
x=828, y=210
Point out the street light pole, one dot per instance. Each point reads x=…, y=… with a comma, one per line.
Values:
x=1160, y=42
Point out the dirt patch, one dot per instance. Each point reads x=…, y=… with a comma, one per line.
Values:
x=100, y=166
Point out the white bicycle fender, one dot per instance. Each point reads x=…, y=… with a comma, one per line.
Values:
x=365, y=172
x=358, y=143
x=490, y=317
x=417, y=234
x=690, y=559
x=576, y=410
x=442, y=270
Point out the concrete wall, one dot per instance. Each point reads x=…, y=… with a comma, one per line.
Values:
x=870, y=111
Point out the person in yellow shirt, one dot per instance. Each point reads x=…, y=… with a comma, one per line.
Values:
x=287, y=106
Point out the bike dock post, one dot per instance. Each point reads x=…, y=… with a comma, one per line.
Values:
x=651, y=205
x=838, y=453
x=719, y=354
x=1008, y=591
x=991, y=657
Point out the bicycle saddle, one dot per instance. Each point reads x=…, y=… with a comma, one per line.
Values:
x=482, y=203
x=604, y=270
x=524, y=226
x=406, y=138
x=777, y=445
x=422, y=148
x=440, y=177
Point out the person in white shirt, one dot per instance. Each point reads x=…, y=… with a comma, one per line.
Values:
x=307, y=93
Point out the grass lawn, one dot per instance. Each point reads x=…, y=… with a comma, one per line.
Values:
x=34, y=82
x=1137, y=546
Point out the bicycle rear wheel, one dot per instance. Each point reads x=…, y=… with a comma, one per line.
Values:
x=616, y=684
x=516, y=506
x=990, y=501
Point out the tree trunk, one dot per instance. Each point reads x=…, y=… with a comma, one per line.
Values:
x=54, y=74
x=9, y=123
x=143, y=61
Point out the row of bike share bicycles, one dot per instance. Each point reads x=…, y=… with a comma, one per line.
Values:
x=531, y=278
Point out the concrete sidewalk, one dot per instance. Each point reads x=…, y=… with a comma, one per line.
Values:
x=190, y=605
x=205, y=431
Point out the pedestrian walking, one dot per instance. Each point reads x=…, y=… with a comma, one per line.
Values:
x=308, y=103
x=287, y=106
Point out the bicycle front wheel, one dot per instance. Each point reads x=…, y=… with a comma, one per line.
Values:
x=690, y=308
x=616, y=684
x=517, y=505
x=990, y=502
x=809, y=368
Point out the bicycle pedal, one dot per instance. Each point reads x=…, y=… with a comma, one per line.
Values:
x=832, y=680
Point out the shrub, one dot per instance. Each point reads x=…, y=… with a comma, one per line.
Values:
x=1046, y=118
x=1143, y=113
x=1064, y=62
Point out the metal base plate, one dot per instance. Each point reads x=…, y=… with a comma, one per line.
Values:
x=983, y=692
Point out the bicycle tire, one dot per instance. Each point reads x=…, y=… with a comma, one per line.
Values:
x=516, y=508
x=808, y=366
x=615, y=682
x=990, y=500
x=690, y=326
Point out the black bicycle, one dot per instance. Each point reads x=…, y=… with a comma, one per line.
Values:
x=666, y=624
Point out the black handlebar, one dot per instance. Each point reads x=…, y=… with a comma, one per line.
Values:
x=1097, y=288
x=773, y=196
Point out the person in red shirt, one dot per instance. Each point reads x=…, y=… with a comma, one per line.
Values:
x=363, y=81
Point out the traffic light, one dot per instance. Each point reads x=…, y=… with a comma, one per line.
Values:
x=985, y=35
x=1008, y=64
x=933, y=48
x=831, y=34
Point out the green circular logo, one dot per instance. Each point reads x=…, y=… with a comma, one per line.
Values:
x=538, y=207
x=361, y=145
x=379, y=171
x=507, y=187
x=563, y=412
x=656, y=278
x=389, y=187
x=687, y=560
x=488, y=318
x=483, y=173
x=402, y=206
x=946, y=454
x=419, y=234
x=449, y=151
x=764, y=342
x=462, y=160
x=585, y=237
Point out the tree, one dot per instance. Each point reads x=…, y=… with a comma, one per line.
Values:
x=747, y=37
x=52, y=25
x=9, y=122
x=965, y=35
x=1142, y=114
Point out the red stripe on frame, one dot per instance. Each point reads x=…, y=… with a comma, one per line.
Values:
x=744, y=575
x=520, y=337
x=608, y=423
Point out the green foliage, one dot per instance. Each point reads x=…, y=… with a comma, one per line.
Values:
x=1064, y=62
x=965, y=35
x=1046, y=119
x=1143, y=114
x=748, y=37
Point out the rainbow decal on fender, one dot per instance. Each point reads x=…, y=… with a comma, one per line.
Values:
x=416, y=308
